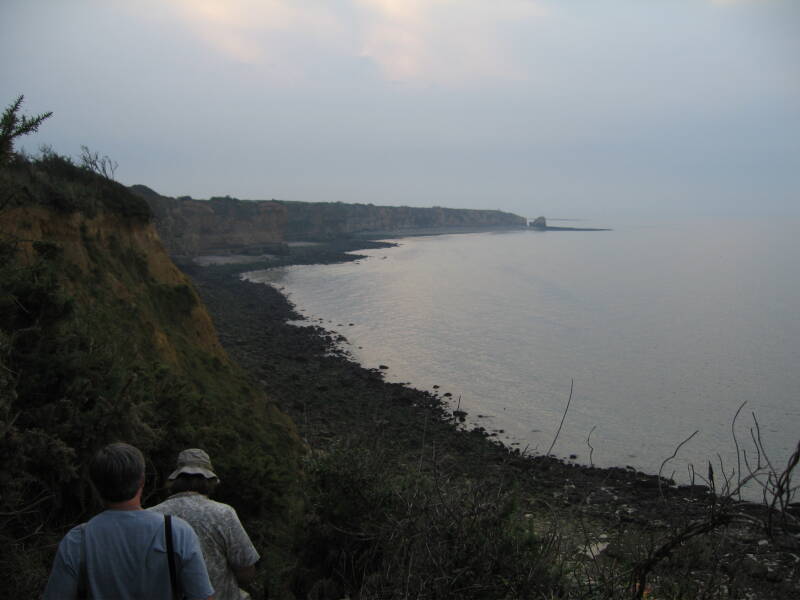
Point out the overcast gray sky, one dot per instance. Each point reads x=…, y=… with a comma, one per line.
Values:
x=572, y=108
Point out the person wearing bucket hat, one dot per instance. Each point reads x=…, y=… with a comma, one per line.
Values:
x=230, y=555
x=194, y=462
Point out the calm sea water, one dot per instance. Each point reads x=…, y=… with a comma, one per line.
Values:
x=665, y=328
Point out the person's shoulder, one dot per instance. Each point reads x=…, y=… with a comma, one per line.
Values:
x=162, y=507
x=74, y=536
x=221, y=508
x=111, y=520
x=124, y=516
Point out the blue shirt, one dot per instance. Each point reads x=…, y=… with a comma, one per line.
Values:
x=126, y=559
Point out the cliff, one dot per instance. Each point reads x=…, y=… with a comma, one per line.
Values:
x=222, y=225
x=103, y=339
x=320, y=220
x=192, y=227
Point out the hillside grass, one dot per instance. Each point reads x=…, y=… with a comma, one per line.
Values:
x=97, y=345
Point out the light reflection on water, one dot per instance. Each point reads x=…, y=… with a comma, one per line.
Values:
x=665, y=330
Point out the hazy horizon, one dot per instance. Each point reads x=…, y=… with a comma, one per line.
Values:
x=579, y=109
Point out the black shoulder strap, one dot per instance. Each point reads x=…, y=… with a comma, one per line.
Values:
x=173, y=576
x=83, y=572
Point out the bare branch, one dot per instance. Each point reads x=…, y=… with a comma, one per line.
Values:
x=103, y=166
x=591, y=448
x=564, y=416
x=736, y=444
x=674, y=454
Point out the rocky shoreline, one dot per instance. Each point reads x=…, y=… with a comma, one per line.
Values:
x=331, y=398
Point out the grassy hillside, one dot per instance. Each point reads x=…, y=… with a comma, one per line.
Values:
x=102, y=338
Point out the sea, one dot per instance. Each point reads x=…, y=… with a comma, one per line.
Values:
x=665, y=346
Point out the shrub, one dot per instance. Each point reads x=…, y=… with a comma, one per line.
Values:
x=379, y=531
x=14, y=125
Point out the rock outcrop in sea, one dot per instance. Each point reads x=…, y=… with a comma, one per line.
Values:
x=539, y=223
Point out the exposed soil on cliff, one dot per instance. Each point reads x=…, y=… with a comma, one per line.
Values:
x=614, y=518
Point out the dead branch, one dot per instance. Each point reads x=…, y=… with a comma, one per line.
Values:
x=736, y=444
x=674, y=454
x=564, y=416
x=591, y=448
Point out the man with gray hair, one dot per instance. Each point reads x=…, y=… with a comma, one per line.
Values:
x=126, y=553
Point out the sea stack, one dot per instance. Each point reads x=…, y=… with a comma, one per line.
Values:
x=539, y=223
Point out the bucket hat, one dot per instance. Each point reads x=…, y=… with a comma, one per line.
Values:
x=194, y=461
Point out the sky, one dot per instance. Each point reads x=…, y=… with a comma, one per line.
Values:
x=569, y=108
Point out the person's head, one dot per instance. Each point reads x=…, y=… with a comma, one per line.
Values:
x=192, y=483
x=117, y=472
x=194, y=473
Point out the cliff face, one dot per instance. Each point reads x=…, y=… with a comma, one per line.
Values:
x=103, y=339
x=108, y=258
x=191, y=227
x=327, y=220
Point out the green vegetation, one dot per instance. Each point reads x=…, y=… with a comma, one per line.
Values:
x=103, y=339
x=14, y=125
x=55, y=182
x=382, y=532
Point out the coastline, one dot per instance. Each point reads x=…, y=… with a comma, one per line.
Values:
x=333, y=399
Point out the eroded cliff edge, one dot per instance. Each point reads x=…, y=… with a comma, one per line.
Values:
x=190, y=227
x=102, y=339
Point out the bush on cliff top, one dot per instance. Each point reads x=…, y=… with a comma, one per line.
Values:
x=56, y=182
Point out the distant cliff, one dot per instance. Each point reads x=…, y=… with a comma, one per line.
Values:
x=192, y=227
x=312, y=220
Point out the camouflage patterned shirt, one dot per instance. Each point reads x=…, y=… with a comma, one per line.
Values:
x=226, y=545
